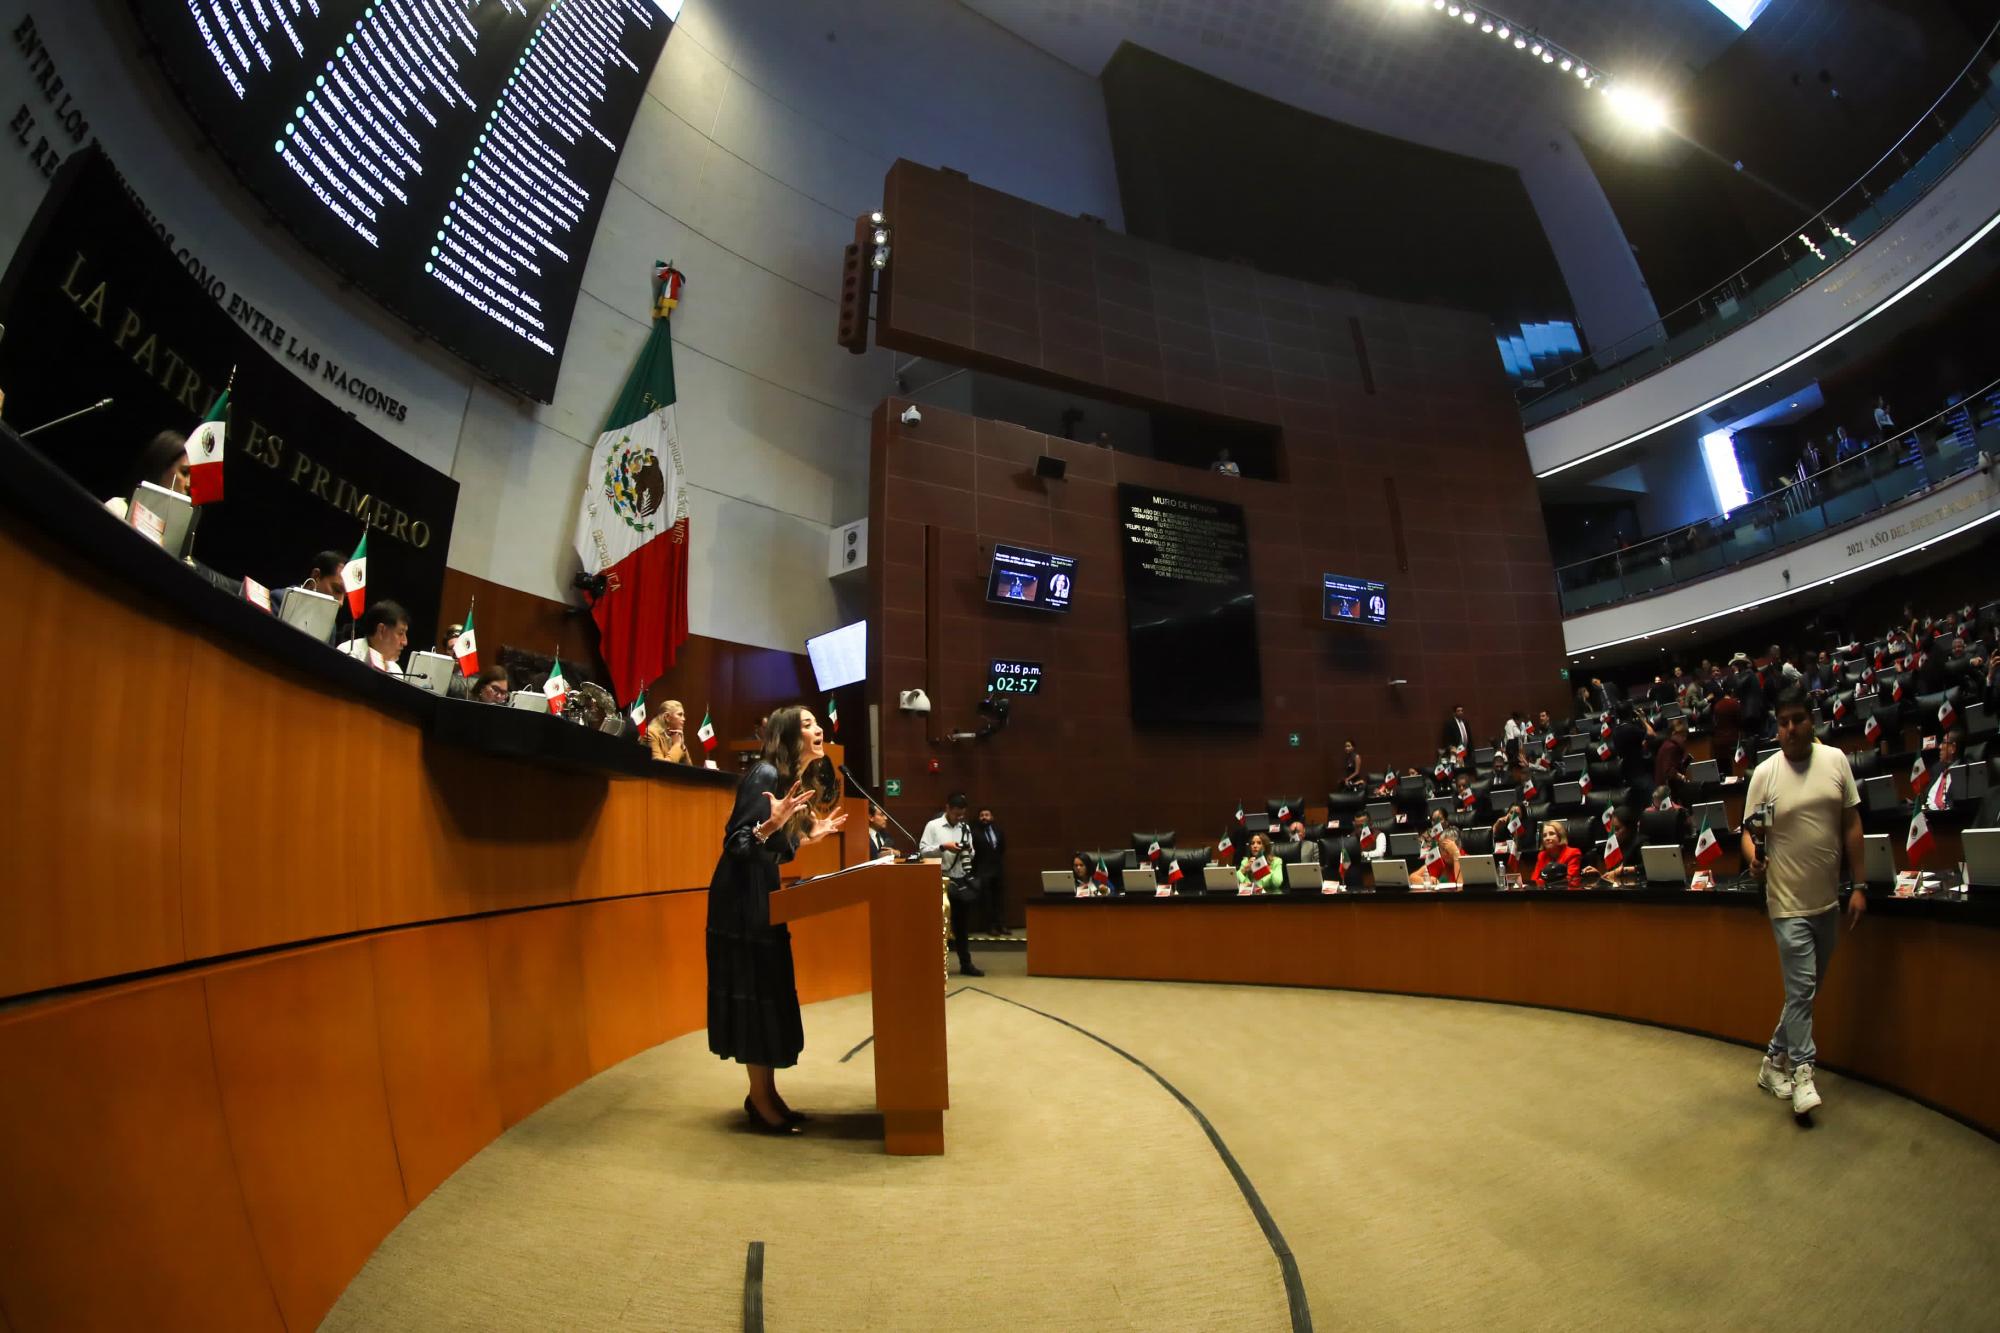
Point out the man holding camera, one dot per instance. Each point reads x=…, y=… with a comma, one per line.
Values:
x=949, y=838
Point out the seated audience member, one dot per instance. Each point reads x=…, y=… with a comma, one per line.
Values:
x=1628, y=850
x=1270, y=878
x=490, y=687
x=1663, y=799
x=666, y=734
x=1502, y=773
x=1558, y=864
x=1369, y=841
x=1510, y=831
x=384, y=627
x=1352, y=778
x=324, y=576
x=1933, y=789
x=164, y=462
x=1079, y=869
x=1464, y=800
x=1390, y=779
x=1308, y=845
x=1444, y=870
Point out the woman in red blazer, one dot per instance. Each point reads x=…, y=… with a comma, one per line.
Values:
x=1559, y=863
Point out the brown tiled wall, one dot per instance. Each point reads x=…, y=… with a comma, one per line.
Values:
x=984, y=279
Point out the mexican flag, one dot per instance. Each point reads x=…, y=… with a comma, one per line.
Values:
x=706, y=732
x=1432, y=854
x=1239, y=812
x=1706, y=849
x=1284, y=813
x=632, y=527
x=1742, y=760
x=1174, y=872
x=833, y=715
x=556, y=688
x=1839, y=707
x=466, y=647
x=354, y=579
x=1224, y=849
x=1530, y=791
x=1917, y=772
x=1583, y=782
x=1946, y=715
x=1614, y=855
x=1919, y=843
x=1153, y=853
x=1872, y=729
x=1101, y=876
x=1467, y=799
x=637, y=712
x=1346, y=866
x=204, y=452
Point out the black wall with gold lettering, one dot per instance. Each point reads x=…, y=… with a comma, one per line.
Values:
x=95, y=306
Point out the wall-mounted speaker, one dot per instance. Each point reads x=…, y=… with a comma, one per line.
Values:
x=1052, y=468
x=847, y=548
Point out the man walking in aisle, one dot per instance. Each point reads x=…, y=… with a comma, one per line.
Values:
x=1804, y=801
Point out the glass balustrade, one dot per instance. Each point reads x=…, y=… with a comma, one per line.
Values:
x=1926, y=153
x=1868, y=480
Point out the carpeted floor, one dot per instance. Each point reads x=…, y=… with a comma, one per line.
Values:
x=1431, y=1164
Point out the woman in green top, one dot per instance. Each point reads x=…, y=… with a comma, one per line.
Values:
x=1273, y=878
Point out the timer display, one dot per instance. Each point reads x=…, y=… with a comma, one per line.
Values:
x=1014, y=678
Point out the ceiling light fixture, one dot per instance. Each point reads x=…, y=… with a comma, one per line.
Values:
x=1471, y=16
x=1567, y=63
x=1504, y=32
x=1486, y=26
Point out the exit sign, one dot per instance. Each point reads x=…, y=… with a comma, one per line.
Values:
x=893, y=787
x=1295, y=740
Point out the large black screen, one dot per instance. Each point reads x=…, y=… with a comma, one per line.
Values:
x=1190, y=612
x=450, y=156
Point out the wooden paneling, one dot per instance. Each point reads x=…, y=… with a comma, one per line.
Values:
x=534, y=968
x=123, y=1209
x=684, y=962
x=623, y=957
x=90, y=863
x=1906, y=1000
x=297, y=1060
x=436, y=1039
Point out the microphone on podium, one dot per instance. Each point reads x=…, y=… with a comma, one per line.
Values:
x=97, y=406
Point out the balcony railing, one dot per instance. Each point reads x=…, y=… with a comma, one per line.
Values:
x=1871, y=478
x=1926, y=154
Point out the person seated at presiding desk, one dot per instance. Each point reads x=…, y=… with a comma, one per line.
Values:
x=1509, y=832
x=1559, y=863
x=383, y=628
x=1296, y=832
x=1628, y=850
x=164, y=462
x=491, y=686
x=666, y=734
x=1443, y=867
x=1261, y=870
x=1368, y=840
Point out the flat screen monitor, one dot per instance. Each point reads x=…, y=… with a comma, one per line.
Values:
x=450, y=160
x=839, y=657
x=1355, y=601
x=1022, y=577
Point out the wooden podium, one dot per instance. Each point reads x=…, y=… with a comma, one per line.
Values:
x=906, y=968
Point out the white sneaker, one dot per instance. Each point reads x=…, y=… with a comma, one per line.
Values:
x=1774, y=1080
x=1804, y=1095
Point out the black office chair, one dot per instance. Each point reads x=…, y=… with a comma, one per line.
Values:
x=1585, y=833
x=1192, y=860
x=1142, y=840
x=1344, y=805
x=1659, y=828
x=1865, y=763
x=1477, y=840
x=1287, y=852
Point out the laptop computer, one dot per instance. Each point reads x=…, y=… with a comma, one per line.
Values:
x=532, y=700
x=1143, y=880
x=1403, y=844
x=1058, y=884
x=1391, y=874
x=1714, y=812
x=1475, y=870
x=1879, y=793
x=1878, y=866
x=309, y=611
x=430, y=671
x=1982, y=858
x=1303, y=877
x=1218, y=879
x=1664, y=863
x=165, y=516
x=1704, y=772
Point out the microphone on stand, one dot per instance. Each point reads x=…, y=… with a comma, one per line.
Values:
x=97, y=406
x=848, y=773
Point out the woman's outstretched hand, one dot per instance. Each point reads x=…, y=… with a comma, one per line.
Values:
x=783, y=808
x=822, y=827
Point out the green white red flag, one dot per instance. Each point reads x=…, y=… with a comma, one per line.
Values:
x=354, y=579
x=204, y=453
x=466, y=647
x=556, y=688
x=706, y=732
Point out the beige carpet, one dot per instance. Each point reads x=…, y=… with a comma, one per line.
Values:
x=1432, y=1165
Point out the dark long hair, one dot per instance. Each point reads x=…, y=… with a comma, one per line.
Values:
x=785, y=750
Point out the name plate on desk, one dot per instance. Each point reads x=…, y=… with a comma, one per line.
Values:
x=1247, y=890
x=256, y=593
x=1163, y=891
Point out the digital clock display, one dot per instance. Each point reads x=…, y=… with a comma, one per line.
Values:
x=1014, y=678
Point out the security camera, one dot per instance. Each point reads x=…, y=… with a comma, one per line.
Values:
x=911, y=416
x=914, y=701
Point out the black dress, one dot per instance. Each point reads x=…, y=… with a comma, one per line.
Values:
x=753, y=1001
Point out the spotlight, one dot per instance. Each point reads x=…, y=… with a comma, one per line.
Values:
x=1437, y=4
x=881, y=236
x=1582, y=73
x=1504, y=33
x=1451, y=10
x=1642, y=109
x=876, y=217
x=1520, y=42
x=1548, y=57
x=1534, y=50
x=880, y=259
x=1566, y=63
x=1487, y=26
x=1470, y=16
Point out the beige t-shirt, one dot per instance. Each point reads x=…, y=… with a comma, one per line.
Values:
x=1804, y=840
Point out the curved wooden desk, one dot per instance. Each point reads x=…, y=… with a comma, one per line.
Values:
x=1908, y=1002
x=321, y=948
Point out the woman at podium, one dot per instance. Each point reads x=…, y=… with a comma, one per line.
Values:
x=753, y=1001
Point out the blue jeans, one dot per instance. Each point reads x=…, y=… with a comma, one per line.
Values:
x=1805, y=946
